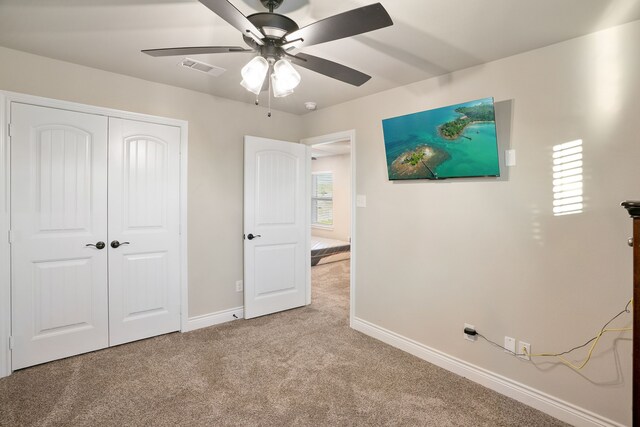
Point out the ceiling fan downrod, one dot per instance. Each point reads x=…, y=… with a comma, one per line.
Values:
x=271, y=4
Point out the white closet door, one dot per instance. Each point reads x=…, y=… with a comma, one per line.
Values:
x=144, y=207
x=58, y=207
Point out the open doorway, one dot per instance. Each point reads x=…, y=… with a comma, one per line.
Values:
x=332, y=218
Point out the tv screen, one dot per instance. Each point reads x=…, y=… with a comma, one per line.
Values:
x=450, y=142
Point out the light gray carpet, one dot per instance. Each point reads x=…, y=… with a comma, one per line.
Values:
x=303, y=367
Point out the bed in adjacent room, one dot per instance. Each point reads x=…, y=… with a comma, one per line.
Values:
x=322, y=247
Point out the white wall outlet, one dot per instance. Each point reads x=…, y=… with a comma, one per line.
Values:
x=469, y=337
x=361, y=201
x=510, y=345
x=239, y=286
x=524, y=348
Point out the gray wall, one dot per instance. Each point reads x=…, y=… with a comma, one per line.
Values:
x=434, y=255
x=216, y=130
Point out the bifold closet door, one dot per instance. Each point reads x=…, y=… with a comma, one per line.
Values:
x=144, y=240
x=58, y=219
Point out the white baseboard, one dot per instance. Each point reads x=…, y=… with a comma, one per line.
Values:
x=206, y=320
x=537, y=399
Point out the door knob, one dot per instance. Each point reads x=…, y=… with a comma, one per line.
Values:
x=630, y=241
x=98, y=245
x=252, y=236
x=115, y=244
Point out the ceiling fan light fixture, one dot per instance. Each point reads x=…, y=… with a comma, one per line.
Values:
x=284, y=79
x=279, y=90
x=253, y=74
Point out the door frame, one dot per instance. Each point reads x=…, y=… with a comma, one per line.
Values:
x=6, y=98
x=326, y=139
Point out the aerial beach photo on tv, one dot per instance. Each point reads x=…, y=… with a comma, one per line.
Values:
x=450, y=142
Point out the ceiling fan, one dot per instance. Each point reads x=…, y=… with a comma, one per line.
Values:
x=272, y=36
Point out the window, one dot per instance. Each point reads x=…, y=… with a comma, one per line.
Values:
x=322, y=199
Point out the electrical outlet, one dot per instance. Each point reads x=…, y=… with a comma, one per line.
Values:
x=510, y=345
x=239, y=286
x=524, y=348
x=469, y=337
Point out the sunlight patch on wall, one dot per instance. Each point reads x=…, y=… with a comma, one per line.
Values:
x=608, y=77
x=567, y=178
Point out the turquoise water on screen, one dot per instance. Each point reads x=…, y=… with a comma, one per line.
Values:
x=477, y=156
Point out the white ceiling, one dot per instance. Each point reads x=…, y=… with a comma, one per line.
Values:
x=428, y=38
x=330, y=149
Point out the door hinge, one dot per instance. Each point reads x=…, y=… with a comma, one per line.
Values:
x=10, y=129
x=11, y=342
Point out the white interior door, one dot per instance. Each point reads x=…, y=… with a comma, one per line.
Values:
x=144, y=218
x=58, y=208
x=276, y=226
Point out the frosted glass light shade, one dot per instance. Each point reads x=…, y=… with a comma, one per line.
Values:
x=284, y=79
x=279, y=91
x=253, y=74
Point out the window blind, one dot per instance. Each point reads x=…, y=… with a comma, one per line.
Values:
x=322, y=199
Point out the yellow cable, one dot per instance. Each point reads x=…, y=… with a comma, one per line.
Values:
x=578, y=367
x=586, y=360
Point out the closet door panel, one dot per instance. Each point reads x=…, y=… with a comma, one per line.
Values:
x=58, y=207
x=144, y=273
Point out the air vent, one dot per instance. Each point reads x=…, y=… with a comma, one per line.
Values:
x=202, y=67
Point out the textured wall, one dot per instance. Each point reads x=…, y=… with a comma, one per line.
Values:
x=434, y=255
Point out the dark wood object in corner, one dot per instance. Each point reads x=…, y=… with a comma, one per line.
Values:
x=634, y=211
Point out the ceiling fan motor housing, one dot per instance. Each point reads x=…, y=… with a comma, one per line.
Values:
x=275, y=27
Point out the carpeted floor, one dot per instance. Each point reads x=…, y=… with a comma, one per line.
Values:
x=303, y=367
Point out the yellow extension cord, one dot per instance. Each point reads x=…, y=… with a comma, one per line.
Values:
x=578, y=367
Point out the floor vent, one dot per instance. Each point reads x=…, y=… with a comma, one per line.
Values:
x=202, y=67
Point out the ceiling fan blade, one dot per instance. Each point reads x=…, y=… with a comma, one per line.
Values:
x=233, y=16
x=196, y=50
x=347, y=24
x=330, y=69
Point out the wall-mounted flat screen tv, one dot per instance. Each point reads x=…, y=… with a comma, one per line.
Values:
x=457, y=141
